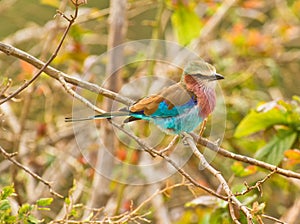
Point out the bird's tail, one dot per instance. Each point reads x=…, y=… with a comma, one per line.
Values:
x=100, y=116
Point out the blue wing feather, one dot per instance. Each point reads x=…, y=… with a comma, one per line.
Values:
x=163, y=111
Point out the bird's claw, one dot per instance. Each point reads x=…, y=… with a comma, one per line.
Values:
x=184, y=139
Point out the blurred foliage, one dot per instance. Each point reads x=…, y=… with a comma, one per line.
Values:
x=25, y=211
x=270, y=115
x=256, y=46
x=185, y=21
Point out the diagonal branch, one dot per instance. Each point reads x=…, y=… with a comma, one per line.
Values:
x=152, y=152
x=214, y=147
x=9, y=156
x=54, y=73
x=231, y=198
x=77, y=96
x=53, y=56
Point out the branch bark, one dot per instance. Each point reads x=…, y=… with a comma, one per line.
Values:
x=214, y=147
x=232, y=200
x=9, y=156
x=53, y=56
x=54, y=73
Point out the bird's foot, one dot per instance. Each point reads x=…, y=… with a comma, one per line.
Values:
x=184, y=140
x=203, y=127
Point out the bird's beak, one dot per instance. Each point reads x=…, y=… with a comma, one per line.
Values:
x=218, y=76
x=214, y=77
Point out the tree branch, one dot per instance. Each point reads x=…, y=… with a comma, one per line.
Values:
x=214, y=147
x=9, y=156
x=27, y=83
x=231, y=198
x=54, y=73
x=153, y=152
x=77, y=96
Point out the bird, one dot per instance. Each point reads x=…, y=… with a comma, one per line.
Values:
x=179, y=108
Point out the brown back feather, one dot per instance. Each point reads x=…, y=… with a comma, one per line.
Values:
x=174, y=95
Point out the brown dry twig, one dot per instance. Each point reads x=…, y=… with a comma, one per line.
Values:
x=129, y=216
x=54, y=73
x=71, y=20
x=232, y=200
x=170, y=145
x=154, y=152
x=9, y=156
x=214, y=147
x=257, y=185
x=77, y=96
x=273, y=219
x=4, y=87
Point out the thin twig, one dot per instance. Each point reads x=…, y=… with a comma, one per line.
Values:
x=170, y=145
x=53, y=56
x=256, y=186
x=54, y=73
x=77, y=96
x=7, y=85
x=273, y=219
x=219, y=176
x=126, y=218
x=231, y=212
x=27, y=170
x=214, y=147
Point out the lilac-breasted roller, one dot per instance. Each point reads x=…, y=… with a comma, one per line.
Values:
x=178, y=108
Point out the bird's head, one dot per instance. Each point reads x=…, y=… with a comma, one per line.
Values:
x=201, y=71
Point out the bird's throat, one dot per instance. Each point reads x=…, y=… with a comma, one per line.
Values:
x=206, y=95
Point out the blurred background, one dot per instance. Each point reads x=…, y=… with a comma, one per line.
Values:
x=255, y=44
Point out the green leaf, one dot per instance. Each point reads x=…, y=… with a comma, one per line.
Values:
x=33, y=220
x=273, y=151
x=257, y=121
x=186, y=23
x=7, y=191
x=74, y=213
x=4, y=205
x=24, y=210
x=44, y=201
